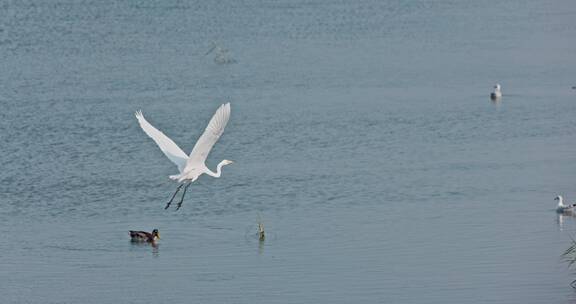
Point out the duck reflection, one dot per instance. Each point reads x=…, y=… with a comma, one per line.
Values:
x=137, y=246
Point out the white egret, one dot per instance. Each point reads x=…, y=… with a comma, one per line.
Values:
x=190, y=167
x=497, y=94
x=561, y=208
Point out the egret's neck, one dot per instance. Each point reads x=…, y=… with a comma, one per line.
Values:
x=560, y=202
x=218, y=170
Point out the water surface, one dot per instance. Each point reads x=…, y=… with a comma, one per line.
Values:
x=362, y=133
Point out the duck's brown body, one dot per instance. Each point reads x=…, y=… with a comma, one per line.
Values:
x=143, y=236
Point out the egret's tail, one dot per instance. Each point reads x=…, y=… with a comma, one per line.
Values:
x=175, y=177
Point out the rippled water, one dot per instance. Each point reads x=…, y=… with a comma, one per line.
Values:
x=362, y=133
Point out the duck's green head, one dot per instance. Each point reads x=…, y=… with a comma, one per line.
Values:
x=156, y=234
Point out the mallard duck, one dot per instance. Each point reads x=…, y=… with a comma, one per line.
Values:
x=143, y=236
x=561, y=208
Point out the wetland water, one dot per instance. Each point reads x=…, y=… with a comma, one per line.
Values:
x=361, y=131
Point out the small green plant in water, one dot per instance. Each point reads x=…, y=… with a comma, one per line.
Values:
x=261, y=234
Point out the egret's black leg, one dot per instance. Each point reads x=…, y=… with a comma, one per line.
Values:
x=183, y=194
x=173, y=196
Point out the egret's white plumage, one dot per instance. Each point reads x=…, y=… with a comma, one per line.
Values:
x=169, y=147
x=561, y=208
x=192, y=166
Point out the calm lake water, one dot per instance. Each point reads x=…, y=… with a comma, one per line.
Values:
x=361, y=131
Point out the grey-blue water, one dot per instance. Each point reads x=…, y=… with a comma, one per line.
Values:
x=361, y=131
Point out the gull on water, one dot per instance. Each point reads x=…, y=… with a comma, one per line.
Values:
x=497, y=94
x=190, y=167
x=222, y=55
x=561, y=208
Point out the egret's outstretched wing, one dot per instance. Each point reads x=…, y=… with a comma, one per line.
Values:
x=210, y=136
x=170, y=149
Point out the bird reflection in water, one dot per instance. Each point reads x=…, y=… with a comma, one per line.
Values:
x=563, y=218
x=142, y=245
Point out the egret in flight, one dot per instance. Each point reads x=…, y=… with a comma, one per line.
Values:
x=190, y=167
